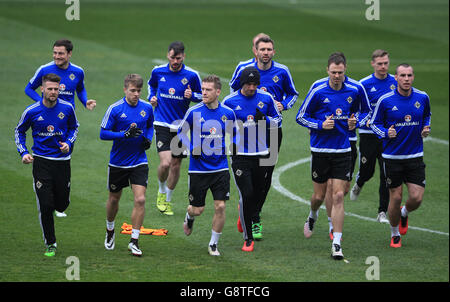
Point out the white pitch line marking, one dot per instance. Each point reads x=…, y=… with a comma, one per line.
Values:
x=279, y=187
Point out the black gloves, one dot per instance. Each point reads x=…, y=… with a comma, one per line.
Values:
x=133, y=131
x=146, y=143
x=259, y=116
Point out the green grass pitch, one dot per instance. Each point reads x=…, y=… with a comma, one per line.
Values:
x=114, y=38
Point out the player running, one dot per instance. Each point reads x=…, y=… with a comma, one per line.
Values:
x=54, y=130
x=402, y=118
x=208, y=124
x=276, y=79
x=129, y=124
x=329, y=112
x=255, y=111
x=171, y=88
x=377, y=84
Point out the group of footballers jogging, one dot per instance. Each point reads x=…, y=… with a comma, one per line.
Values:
x=392, y=117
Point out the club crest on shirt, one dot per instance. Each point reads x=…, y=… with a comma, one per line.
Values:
x=223, y=118
x=72, y=76
x=143, y=113
x=417, y=105
x=260, y=105
x=349, y=99
x=38, y=184
x=275, y=79
x=392, y=87
x=61, y=115
x=159, y=144
x=184, y=81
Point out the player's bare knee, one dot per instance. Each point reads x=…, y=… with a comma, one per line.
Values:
x=219, y=207
x=139, y=201
x=338, y=197
x=196, y=211
x=318, y=197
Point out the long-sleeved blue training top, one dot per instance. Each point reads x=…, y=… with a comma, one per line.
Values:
x=252, y=140
x=323, y=102
x=127, y=152
x=409, y=115
x=49, y=127
x=276, y=80
x=72, y=80
x=169, y=87
x=208, y=129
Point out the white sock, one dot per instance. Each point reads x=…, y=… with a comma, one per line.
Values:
x=168, y=194
x=337, y=238
x=110, y=225
x=404, y=212
x=394, y=231
x=162, y=186
x=313, y=214
x=330, y=224
x=135, y=233
x=189, y=216
x=214, y=237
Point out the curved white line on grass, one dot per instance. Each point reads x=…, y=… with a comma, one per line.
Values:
x=435, y=140
x=279, y=187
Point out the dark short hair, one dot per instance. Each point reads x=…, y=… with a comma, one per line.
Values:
x=134, y=79
x=265, y=39
x=66, y=43
x=177, y=46
x=212, y=78
x=51, y=77
x=337, y=58
x=406, y=65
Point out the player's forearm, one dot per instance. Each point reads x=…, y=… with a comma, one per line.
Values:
x=82, y=96
x=110, y=135
x=32, y=93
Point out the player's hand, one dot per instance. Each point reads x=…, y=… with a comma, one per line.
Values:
x=425, y=131
x=392, y=133
x=328, y=123
x=27, y=159
x=279, y=106
x=146, y=143
x=351, y=122
x=188, y=92
x=90, y=104
x=133, y=131
x=259, y=116
x=64, y=147
x=154, y=101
